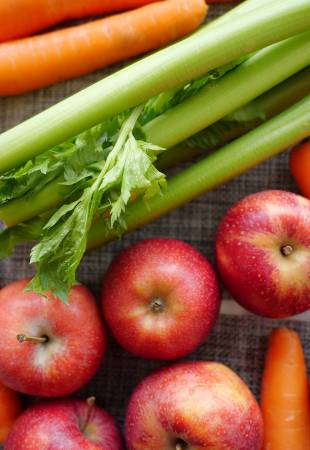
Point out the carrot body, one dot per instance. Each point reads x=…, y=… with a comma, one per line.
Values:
x=10, y=409
x=20, y=18
x=285, y=394
x=300, y=167
x=42, y=60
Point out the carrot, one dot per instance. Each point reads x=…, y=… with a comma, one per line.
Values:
x=46, y=59
x=285, y=394
x=300, y=167
x=20, y=18
x=10, y=409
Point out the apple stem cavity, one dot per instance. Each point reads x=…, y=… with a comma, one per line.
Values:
x=157, y=305
x=90, y=403
x=180, y=445
x=287, y=250
x=39, y=340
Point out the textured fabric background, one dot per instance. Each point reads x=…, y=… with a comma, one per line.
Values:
x=239, y=342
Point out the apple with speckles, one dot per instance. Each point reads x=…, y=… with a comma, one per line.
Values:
x=160, y=298
x=66, y=424
x=263, y=253
x=193, y=406
x=49, y=348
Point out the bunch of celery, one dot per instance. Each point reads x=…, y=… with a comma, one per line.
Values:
x=72, y=174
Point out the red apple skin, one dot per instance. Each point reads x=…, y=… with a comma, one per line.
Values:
x=198, y=405
x=176, y=273
x=77, y=340
x=56, y=425
x=248, y=253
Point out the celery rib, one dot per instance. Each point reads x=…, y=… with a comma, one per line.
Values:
x=273, y=65
x=253, y=148
x=261, y=72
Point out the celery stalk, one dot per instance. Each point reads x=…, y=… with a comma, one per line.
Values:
x=156, y=73
x=265, y=107
x=274, y=64
x=261, y=72
x=242, y=9
x=258, y=145
x=27, y=207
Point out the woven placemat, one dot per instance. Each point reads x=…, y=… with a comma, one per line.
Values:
x=238, y=341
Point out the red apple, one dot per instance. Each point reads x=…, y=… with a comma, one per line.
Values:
x=193, y=406
x=49, y=348
x=66, y=424
x=10, y=409
x=263, y=253
x=160, y=298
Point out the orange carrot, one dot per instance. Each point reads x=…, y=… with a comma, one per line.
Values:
x=300, y=167
x=285, y=394
x=42, y=60
x=10, y=409
x=20, y=18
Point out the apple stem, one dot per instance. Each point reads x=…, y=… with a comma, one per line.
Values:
x=287, y=250
x=157, y=305
x=179, y=446
x=90, y=403
x=37, y=339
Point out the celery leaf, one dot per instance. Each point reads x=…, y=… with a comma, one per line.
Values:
x=127, y=170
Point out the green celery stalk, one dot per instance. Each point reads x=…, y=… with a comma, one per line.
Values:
x=258, y=145
x=273, y=64
x=163, y=70
x=261, y=72
x=251, y=115
x=266, y=106
x=27, y=207
x=242, y=9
